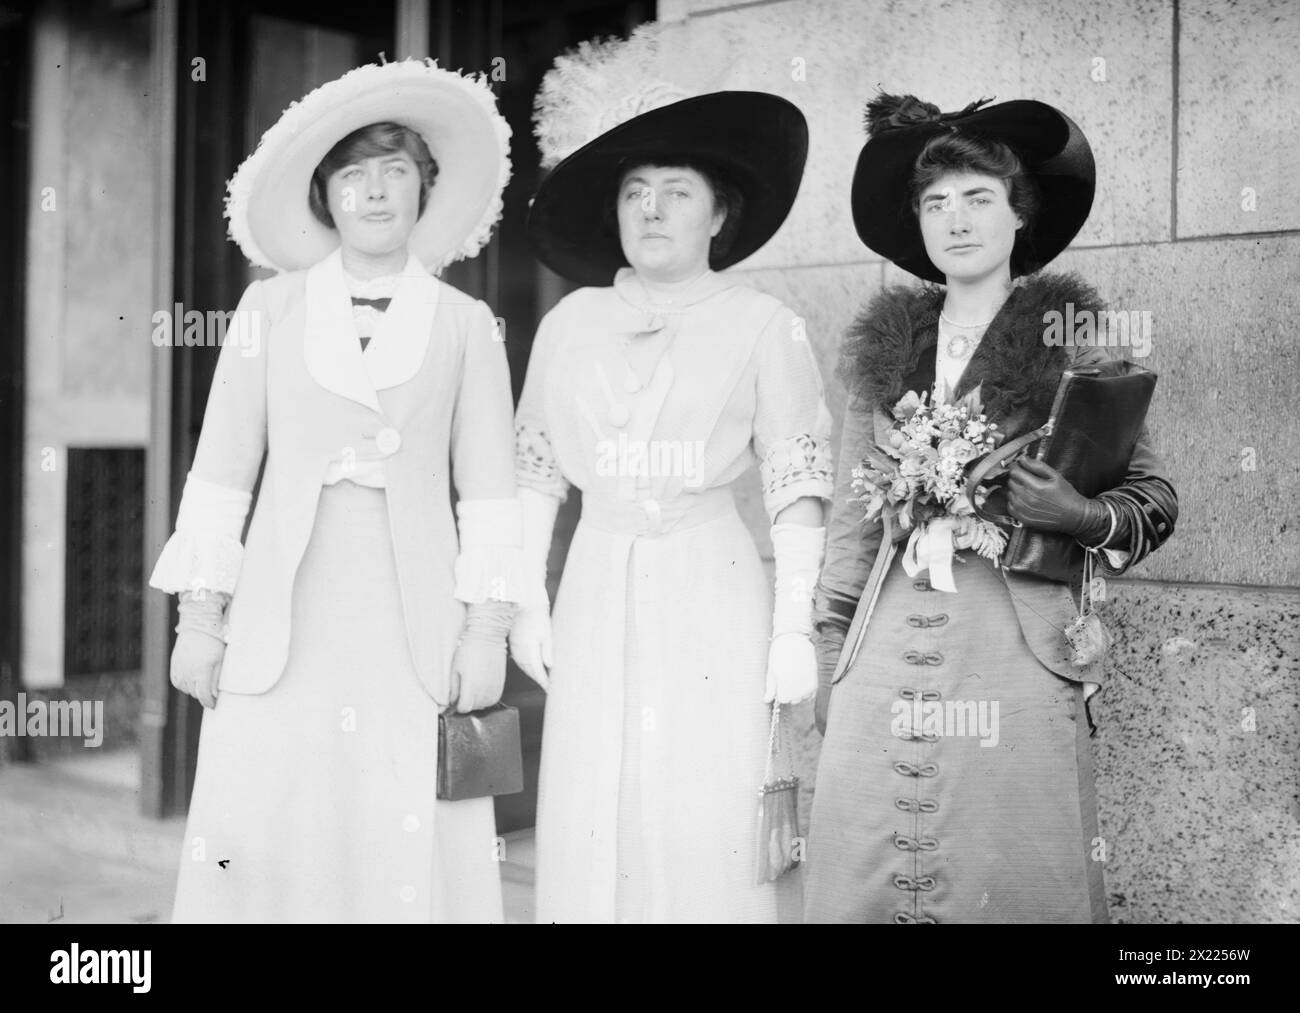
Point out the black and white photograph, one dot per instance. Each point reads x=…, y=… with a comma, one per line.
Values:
x=788, y=462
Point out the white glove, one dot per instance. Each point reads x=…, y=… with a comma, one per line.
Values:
x=530, y=635
x=530, y=643
x=478, y=668
x=196, y=665
x=791, y=659
x=200, y=644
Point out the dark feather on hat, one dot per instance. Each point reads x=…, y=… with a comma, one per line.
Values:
x=889, y=112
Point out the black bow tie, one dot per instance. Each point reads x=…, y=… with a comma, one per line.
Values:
x=379, y=304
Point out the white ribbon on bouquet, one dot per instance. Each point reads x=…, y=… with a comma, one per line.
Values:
x=930, y=547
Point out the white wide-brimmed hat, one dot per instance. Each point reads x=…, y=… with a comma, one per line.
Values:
x=456, y=115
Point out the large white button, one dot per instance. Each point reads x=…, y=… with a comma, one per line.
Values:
x=411, y=824
x=407, y=894
x=388, y=440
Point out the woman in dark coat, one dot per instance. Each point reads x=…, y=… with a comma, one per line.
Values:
x=988, y=814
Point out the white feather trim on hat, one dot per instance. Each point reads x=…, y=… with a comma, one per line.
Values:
x=405, y=92
x=599, y=85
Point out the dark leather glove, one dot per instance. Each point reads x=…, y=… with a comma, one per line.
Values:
x=1039, y=497
x=828, y=639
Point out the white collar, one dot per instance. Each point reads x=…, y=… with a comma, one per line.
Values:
x=628, y=284
x=330, y=347
x=635, y=311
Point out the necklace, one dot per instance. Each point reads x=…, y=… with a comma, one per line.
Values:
x=959, y=347
x=947, y=319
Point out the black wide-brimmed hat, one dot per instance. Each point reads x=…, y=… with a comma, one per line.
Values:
x=757, y=141
x=1051, y=146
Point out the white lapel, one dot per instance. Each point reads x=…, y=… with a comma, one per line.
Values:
x=332, y=352
x=330, y=346
x=401, y=340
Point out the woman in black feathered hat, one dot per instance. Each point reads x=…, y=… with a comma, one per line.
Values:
x=652, y=390
x=955, y=781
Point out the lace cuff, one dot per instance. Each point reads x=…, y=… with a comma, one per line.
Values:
x=535, y=463
x=796, y=467
x=490, y=564
x=198, y=561
x=204, y=553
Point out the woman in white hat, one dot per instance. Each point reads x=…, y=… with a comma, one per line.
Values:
x=325, y=646
x=652, y=391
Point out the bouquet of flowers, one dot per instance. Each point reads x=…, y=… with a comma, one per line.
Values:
x=918, y=481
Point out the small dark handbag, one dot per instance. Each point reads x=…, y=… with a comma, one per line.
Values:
x=479, y=754
x=1089, y=438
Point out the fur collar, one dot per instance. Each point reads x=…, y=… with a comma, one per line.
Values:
x=893, y=342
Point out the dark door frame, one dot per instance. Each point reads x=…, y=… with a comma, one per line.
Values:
x=16, y=72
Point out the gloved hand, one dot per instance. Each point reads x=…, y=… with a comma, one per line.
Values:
x=791, y=669
x=199, y=648
x=1040, y=497
x=196, y=665
x=530, y=636
x=791, y=659
x=829, y=642
x=478, y=668
x=530, y=642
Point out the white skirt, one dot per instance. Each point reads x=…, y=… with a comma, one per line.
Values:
x=656, y=733
x=316, y=801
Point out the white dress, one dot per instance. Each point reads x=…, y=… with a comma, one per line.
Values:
x=315, y=801
x=655, y=731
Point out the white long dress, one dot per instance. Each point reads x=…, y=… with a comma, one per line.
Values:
x=316, y=800
x=655, y=730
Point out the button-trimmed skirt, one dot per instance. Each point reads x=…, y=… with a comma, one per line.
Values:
x=955, y=782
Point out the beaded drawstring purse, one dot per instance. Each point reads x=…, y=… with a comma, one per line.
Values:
x=778, y=812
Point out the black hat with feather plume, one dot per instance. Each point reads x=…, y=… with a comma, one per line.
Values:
x=1050, y=145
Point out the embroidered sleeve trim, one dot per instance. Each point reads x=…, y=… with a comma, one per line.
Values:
x=801, y=465
x=535, y=464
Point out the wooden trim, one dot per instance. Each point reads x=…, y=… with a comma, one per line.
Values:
x=411, y=29
x=156, y=648
x=45, y=308
x=16, y=64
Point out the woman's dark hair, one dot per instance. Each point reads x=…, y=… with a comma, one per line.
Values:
x=726, y=196
x=370, y=142
x=947, y=153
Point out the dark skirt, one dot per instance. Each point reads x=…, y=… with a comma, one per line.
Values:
x=955, y=782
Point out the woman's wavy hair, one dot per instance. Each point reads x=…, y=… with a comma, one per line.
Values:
x=370, y=141
x=956, y=152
